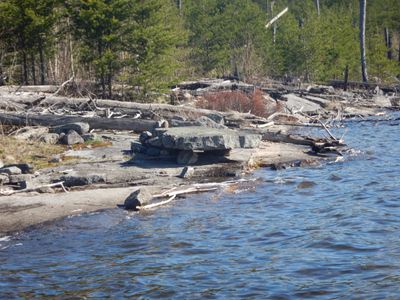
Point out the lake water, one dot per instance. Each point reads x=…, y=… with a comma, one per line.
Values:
x=328, y=232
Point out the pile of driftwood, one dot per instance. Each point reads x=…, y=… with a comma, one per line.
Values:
x=43, y=106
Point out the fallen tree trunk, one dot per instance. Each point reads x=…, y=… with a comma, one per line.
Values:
x=74, y=102
x=318, y=145
x=163, y=111
x=287, y=138
x=94, y=123
x=29, y=88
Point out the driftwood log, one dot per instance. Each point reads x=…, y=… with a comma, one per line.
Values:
x=112, y=104
x=163, y=111
x=318, y=145
x=94, y=123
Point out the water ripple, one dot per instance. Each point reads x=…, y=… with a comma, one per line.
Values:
x=323, y=233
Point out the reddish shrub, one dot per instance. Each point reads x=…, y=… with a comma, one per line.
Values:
x=258, y=102
x=235, y=100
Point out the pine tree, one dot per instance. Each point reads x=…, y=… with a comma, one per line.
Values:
x=155, y=40
x=225, y=36
x=99, y=25
x=132, y=40
x=25, y=25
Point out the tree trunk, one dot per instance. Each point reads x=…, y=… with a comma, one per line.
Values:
x=275, y=25
x=399, y=53
x=388, y=41
x=109, y=84
x=33, y=68
x=25, y=68
x=94, y=123
x=102, y=73
x=24, y=65
x=363, y=15
x=71, y=52
x=41, y=57
x=180, y=6
x=318, y=7
x=346, y=77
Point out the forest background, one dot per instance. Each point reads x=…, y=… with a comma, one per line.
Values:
x=149, y=45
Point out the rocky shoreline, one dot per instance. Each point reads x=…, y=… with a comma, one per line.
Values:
x=140, y=156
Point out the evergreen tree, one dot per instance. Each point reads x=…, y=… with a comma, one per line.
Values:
x=100, y=25
x=151, y=44
x=224, y=35
x=25, y=25
x=155, y=40
x=132, y=39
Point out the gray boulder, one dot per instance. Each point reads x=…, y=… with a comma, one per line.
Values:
x=207, y=139
x=25, y=168
x=4, y=179
x=217, y=118
x=24, y=181
x=71, y=181
x=138, y=198
x=49, y=138
x=187, y=172
x=72, y=138
x=145, y=136
x=31, y=133
x=295, y=103
x=200, y=138
x=202, y=121
x=250, y=141
x=395, y=101
x=20, y=178
x=155, y=142
x=382, y=101
x=11, y=170
x=208, y=122
x=79, y=127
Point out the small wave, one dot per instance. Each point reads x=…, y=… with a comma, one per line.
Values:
x=341, y=247
x=6, y=238
x=306, y=184
x=312, y=293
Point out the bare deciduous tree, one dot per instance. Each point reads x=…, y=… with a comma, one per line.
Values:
x=363, y=15
x=318, y=7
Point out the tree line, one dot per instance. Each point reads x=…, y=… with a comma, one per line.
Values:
x=152, y=44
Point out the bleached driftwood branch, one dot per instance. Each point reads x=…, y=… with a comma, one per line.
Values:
x=277, y=17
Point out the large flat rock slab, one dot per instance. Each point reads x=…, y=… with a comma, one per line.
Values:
x=206, y=139
x=295, y=103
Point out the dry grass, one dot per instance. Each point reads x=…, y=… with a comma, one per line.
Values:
x=35, y=153
x=92, y=144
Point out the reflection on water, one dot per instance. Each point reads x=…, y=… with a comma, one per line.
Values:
x=325, y=232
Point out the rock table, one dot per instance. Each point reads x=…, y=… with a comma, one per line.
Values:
x=190, y=140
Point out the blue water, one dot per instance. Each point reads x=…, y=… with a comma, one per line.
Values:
x=327, y=232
